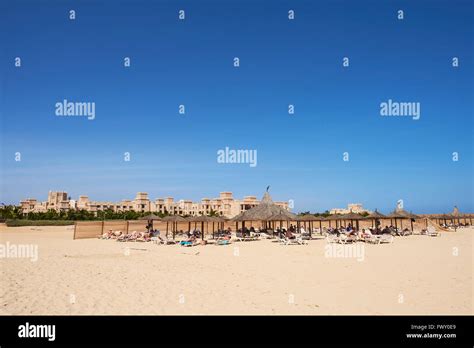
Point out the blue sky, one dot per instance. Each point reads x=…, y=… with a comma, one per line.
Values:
x=283, y=62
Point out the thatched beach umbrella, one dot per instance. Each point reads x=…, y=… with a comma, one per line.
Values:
x=458, y=215
x=150, y=218
x=394, y=216
x=282, y=216
x=467, y=216
x=190, y=220
x=409, y=215
x=309, y=218
x=332, y=217
x=413, y=217
x=261, y=212
x=320, y=219
x=375, y=216
x=401, y=214
x=338, y=219
x=223, y=219
x=446, y=217
x=219, y=220
x=238, y=218
x=174, y=219
x=352, y=217
x=202, y=219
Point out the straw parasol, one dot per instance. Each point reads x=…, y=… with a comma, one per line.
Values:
x=401, y=214
x=309, y=218
x=374, y=216
x=456, y=214
x=262, y=212
x=321, y=219
x=282, y=216
x=352, y=217
x=174, y=219
x=346, y=217
x=465, y=217
x=150, y=218
x=202, y=219
x=219, y=220
x=332, y=217
x=395, y=216
x=445, y=217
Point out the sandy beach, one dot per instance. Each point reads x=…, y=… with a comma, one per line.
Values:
x=413, y=275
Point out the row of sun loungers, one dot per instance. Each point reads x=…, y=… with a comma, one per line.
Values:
x=293, y=241
x=347, y=239
x=430, y=231
x=298, y=239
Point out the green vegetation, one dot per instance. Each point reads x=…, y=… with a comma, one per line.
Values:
x=23, y=222
x=15, y=217
x=325, y=214
x=213, y=213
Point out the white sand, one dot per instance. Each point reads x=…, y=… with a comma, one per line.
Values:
x=414, y=275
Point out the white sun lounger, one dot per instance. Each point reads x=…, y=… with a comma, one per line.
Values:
x=332, y=238
x=386, y=238
x=431, y=231
x=294, y=241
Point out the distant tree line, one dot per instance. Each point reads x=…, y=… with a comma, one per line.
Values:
x=327, y=213
x=12, y=212
x=15, y=213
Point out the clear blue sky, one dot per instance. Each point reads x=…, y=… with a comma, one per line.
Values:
x=282, y=62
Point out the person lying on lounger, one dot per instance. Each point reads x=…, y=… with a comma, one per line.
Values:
x=289, y=235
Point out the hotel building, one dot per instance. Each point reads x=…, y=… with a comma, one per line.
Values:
x=352, y=207
x=224, y=205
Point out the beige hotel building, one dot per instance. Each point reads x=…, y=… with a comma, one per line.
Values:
x=224, y=205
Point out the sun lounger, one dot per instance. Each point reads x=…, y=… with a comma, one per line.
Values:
x=264, y=235
x=166, y=241
x=142, y=237
x=305, y=235
x=386, y=238
x=332, y=238
x=128, y=237
x=431, y=231
x=346, y=239
x=374, y=239
x=222, y=242
x=242, y=238
x=122, y=238
x=293, y=241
